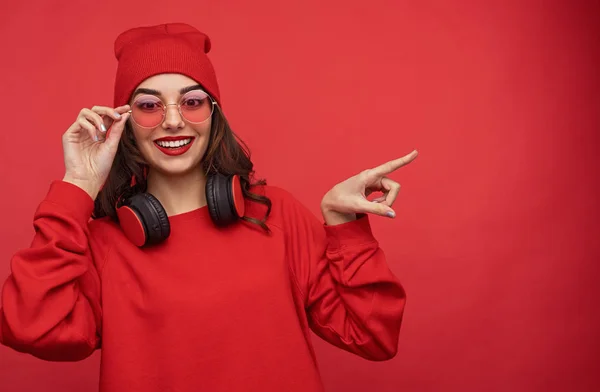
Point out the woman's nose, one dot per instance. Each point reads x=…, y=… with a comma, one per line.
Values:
x=173, y=119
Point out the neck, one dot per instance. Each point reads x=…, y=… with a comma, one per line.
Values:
x=178, y=194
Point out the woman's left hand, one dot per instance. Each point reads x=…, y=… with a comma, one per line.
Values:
x=348, y=198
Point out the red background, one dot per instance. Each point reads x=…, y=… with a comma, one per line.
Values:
x=497, y=238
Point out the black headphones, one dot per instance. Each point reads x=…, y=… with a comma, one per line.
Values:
x=145, y=222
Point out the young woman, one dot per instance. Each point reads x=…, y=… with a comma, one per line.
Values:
x=192, y=276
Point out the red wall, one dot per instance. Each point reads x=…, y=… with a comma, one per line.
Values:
x=497, y=237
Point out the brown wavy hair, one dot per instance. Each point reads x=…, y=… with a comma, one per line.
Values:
x=226, y=154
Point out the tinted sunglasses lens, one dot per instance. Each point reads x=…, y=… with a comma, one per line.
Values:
x=147, y=111
x=196, y=106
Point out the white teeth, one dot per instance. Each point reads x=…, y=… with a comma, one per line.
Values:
x=174, y=144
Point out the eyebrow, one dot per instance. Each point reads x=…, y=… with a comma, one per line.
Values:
x=156, y=92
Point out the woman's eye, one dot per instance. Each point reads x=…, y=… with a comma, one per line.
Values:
x=148, y=105
x=192, y=102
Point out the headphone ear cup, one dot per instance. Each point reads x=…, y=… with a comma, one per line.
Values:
x=211, y=199
x=224, y=198
x=144, y=220
x=132, y=224
x=157, y=221
x=236, y=196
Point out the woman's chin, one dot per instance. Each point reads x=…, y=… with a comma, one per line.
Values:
x=176, y=165
x=175, y=169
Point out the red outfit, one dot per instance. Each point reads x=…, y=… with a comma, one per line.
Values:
x=208, y=310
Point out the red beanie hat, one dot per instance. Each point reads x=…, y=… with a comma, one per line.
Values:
x=167, y=48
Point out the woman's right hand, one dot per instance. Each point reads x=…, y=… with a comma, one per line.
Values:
x=89, y=150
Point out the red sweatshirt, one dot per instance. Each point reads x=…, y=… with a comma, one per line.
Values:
x=209, y=309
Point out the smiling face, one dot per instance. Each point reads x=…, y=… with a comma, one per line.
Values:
x=172, y=139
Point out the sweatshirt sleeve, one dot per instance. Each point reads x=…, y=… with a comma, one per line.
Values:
x=50, y=302
x=351, y=297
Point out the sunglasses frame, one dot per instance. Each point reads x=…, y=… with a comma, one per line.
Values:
x=164, y=112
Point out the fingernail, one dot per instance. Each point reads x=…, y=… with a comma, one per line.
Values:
x=103, y=128
x=96, y=137
x=391, y=214
x=117, y=115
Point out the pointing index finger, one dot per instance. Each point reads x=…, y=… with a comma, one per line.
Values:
x=395, y=164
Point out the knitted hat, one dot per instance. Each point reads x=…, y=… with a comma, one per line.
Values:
x=146, y=51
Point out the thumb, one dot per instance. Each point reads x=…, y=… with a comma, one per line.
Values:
x=113, y=135
x=375, y=207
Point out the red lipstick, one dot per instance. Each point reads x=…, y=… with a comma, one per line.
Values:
x=175, y=150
